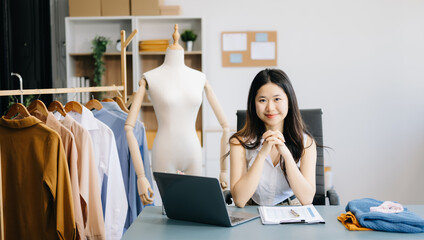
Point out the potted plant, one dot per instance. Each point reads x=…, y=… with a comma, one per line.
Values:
x=188, y=36
x=99, y=44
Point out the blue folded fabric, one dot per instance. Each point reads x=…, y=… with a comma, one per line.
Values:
x=405, y=222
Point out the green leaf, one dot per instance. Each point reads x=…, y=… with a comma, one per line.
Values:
x=188, y=35
x=99, y=45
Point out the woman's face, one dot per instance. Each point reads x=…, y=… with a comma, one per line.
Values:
x=272, y=106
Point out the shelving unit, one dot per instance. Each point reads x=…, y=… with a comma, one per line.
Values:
x=81, y=30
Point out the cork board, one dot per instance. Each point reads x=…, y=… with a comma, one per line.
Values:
x=249, y=49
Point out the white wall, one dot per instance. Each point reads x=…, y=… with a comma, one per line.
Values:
x=361, y=61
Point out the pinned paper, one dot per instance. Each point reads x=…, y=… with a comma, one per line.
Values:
x=234, y=42
x=236, y=58
x=261, y=37
x=262, y=51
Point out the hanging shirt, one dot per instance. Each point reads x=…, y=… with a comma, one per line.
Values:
x=72, y=157
x=88, y=178
x=273, y=187
x=140, y=135
x=117, y=125
x=37, y=191
x=113, y=194
x=113, y=107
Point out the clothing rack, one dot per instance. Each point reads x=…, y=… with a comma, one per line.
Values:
x=61, y=90
x=123, y=87
x=21, y=91
x=124, y=44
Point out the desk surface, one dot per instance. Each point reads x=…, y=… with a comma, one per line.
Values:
x=151, y=224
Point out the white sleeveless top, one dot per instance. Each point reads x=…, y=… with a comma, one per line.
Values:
x=273, y=187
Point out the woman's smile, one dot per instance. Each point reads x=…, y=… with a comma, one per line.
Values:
x=271, y=115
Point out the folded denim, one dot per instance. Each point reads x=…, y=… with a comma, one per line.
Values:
x=405, y=221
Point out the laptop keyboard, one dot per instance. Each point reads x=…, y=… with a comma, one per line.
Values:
x=236, y=219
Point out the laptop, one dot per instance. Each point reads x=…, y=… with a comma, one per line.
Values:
x=197, y=199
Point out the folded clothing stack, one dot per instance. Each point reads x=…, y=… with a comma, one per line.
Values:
x=405, y=221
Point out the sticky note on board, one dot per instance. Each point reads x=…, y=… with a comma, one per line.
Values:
x=236, y=58
x=261, y=37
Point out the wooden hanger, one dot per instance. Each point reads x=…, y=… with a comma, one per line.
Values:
x=121, y=104
x=73, y=106
x=107, y=100
x=57, y=106
x=17, y=108
x=38, y=105
x=94, y=104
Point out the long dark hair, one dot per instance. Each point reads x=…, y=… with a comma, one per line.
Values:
x=251, y=133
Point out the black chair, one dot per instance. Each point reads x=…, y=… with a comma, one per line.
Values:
x=313, y=121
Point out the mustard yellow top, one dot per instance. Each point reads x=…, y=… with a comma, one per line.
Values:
x=37, y=191
x=351, y=223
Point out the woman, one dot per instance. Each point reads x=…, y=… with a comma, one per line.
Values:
x=273, y=156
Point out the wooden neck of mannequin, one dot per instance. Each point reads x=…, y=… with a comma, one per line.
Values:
x=174, y=57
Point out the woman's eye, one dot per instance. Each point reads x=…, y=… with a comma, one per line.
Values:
x=277, y=99
x=262, y=100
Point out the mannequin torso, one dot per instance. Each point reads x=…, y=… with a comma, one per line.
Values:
x=176, y=94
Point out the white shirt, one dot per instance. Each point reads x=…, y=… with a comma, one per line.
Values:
x=107, y=162
x=273, y=187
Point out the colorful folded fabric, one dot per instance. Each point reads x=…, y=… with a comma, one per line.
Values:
x=405, y=221
x=351, y=223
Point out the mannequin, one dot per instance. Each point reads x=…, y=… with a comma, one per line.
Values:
x=176, y=93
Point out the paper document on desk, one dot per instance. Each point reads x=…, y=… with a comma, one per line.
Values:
x=290, y=214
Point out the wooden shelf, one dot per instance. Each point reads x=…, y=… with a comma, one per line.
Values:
x=163, y=53
x=151, y=61
x=90, y=54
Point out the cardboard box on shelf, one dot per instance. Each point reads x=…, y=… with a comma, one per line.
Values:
x=80, y=8
x=145, y=7
x=170, y=10
x=115, y=7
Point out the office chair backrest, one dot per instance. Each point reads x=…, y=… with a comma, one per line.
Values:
x=313, y=121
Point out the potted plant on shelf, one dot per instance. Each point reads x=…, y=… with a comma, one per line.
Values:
x=99, y=44
x=188, y=36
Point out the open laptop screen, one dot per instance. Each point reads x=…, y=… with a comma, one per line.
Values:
x=192, y=198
